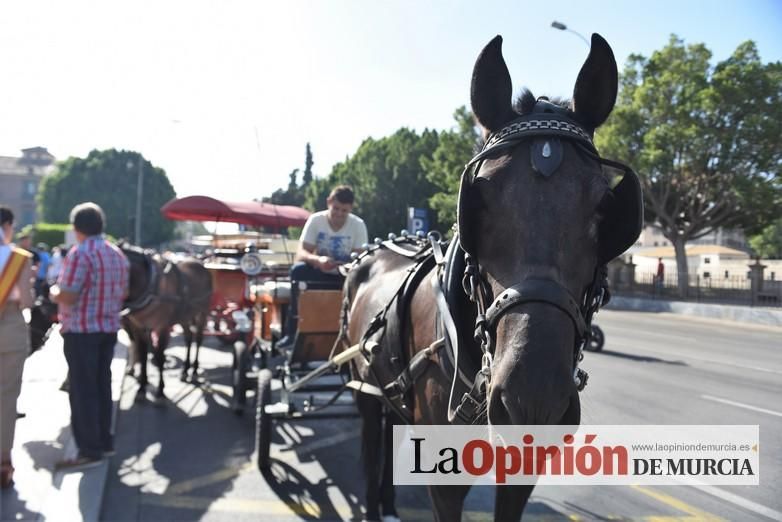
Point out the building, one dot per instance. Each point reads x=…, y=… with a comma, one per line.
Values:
x=731, y=238
x=19, y=181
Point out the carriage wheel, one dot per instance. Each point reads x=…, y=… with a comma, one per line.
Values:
x=241, y=364
x=263, y=420
x=597, y=340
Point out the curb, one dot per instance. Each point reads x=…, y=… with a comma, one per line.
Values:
x=741, y=314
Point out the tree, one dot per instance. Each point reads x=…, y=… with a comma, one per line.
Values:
x=768, y=243
x=704, y=140
x=387, y=176
x=444, y=169
x=306, y=178
x=109, y=178
x=295, y=193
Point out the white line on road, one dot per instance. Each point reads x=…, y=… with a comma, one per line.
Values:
x=741, y=405
x=741, y=502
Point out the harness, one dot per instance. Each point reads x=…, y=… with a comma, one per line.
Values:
x=545, y=128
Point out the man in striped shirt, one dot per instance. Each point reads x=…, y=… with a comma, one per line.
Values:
x=90, y=290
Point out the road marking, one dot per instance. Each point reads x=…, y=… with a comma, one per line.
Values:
x=675, y=503
x=237, y=505
x=187, y=486
x=741, y=502
x=333, y=440
x=741, y=405
x=279, y=507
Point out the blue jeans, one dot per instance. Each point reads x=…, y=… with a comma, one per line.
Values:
x=316, y=280
x=89, y=358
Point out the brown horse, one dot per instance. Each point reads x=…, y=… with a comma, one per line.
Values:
x=161, y=294
x=539, y=217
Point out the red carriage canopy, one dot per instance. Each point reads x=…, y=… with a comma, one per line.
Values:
x=252, y=213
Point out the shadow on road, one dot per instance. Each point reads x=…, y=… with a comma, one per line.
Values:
x=641, y=358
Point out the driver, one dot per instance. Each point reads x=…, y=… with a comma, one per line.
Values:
x=327, y=240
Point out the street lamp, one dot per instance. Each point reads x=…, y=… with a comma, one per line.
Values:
x=563, y=27
x=139, y=194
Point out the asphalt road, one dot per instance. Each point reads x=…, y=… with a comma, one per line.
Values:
x=190, y=457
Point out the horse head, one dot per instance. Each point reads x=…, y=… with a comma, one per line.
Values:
x=540, y=214
x=141, y=275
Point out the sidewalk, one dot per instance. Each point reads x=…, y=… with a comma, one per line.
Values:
x=43, y=437
x=741, y=314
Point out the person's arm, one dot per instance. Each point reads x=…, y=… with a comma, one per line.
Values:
x=306, y=253
x=362, y=237
x=72, y=276
x=25, y=286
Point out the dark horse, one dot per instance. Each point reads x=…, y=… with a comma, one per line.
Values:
x=539, y=216
x=163, y=293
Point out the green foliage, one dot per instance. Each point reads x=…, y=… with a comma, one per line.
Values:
x=306, y=178
x=768, y=243
x=52, y=234
x=444, y=168
x=387, y=176
x=295, y=194
x=705, y=140
x=109, y=178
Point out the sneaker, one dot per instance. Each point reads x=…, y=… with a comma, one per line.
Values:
x=77, y=464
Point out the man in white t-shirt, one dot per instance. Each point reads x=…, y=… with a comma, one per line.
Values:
x=327, y=240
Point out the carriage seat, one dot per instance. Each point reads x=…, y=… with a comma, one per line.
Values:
x=276, y=290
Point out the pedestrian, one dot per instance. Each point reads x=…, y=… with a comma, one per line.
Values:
x=90, y=291
x=44, y=261
x=15, y=295
x=327, y=240
x=660, y=272
x=54, y=265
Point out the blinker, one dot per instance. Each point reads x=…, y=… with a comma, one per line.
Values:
x=546, y=155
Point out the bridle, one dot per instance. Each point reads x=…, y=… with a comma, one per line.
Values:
x=544, y=127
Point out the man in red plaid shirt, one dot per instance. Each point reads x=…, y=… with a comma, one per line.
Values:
x=90, y=290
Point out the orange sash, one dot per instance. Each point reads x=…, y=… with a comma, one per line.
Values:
x=11, y=271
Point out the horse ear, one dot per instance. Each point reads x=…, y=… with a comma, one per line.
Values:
x=595, y=92
x=491, y=90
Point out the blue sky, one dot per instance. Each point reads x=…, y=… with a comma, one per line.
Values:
x=224, y=95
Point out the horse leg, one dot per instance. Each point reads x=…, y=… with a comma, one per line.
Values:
x=387, y=491
x=371, y=411
x=142, y=343
x=160, y=358
x=510, y=501
x=448, y=502
x=187, y=334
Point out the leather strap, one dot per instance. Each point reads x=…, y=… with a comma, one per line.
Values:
x=536, y=291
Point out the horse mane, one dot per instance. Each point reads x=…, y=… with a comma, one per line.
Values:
x=526, y=102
